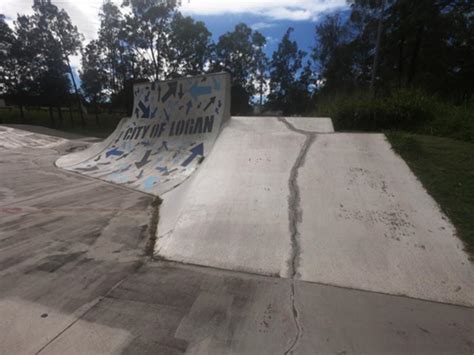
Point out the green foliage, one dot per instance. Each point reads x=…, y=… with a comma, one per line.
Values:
x=289, y=89
x=409, y=110
x=446, y=169
x=189, y=46
x=424, y=44
x=240, y=53
x=37, y=54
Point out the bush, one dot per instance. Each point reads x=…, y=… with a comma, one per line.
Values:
x=408, y=110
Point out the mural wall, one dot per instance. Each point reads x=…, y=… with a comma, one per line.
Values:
x=173, y=127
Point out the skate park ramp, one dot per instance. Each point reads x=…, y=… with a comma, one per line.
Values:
x=17, y=138
x=173, y=127
x=288, y=197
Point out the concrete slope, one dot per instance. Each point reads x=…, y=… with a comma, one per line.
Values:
x=173, y=127
x=15, y=138
x=285, y=197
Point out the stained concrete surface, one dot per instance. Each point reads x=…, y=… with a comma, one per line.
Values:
x=285, y=196
x=74, y=279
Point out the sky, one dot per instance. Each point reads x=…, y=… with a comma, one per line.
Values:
x=270, y=17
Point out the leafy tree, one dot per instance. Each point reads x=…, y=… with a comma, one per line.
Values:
x=146, y=28
x=240, y=53
x=189, y=49
x=110, y=47
x=336, y=55
x=94, y=74
x=423, y=44
x=284, y=75
x=7, y=60
x=41, y=48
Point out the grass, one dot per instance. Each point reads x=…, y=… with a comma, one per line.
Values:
x=71, y=122
x=446, y=169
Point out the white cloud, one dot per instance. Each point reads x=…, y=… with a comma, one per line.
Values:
x=261, y=25
x=274, y=9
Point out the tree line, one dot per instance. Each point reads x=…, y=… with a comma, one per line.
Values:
x=378, y=45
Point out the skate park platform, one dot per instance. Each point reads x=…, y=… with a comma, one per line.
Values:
x=279, y=196
x=283, y=237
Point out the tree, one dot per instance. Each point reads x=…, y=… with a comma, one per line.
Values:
x=284, y=75
x=240, y=53
x=7, y=60
x=146, y=29
x=423, y=44
x=189, y=49
x=94, y=74
x=41, y=48
x=336, y=55
x=110, y=48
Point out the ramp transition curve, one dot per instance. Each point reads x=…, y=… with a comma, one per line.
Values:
x=173, y=126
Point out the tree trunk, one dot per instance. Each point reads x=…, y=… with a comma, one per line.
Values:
x=22, y=114
x=60, y=115
x=71, y=116
x=51, y=116
x=155, y=62
x=83, y=122
x=400, y=61
x=416, y=52
x=96, y=114
x=377, y=46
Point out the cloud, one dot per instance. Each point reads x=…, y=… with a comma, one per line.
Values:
x=84, y=16
x=296, y=10
x=261, y=25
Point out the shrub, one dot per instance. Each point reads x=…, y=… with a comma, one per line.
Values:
x=408, y=110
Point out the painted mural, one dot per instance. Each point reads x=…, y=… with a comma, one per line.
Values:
x=172, y=128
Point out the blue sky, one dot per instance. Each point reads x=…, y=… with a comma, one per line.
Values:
x=272, y=30
x=270, y=17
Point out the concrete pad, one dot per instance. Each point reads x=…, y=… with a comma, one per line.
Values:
x=65, y=241
x=74, y=279
x=368, y=223
x=171, y=309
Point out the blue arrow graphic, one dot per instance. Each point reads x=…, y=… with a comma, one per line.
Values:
x=144, y=160
x=197, y=150
x=113, y=151
x=199, y=90
x=188, y=106
x=145, y=109
x=148, y=184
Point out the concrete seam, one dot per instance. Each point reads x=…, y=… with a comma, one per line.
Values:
x=97, y=301
x=294, y=218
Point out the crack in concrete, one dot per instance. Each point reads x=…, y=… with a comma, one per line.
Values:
x=153, y=227
x=295, y=217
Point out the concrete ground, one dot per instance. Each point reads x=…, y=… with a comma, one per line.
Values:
x=76, y=278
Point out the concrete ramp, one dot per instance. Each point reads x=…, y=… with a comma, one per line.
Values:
x=17, y=138
x=286, y=197
x=173, y=126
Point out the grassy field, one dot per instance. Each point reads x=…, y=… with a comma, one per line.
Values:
x=446, y=168
x=71, y=121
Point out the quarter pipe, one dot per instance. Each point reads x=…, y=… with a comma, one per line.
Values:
x=173, y=126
